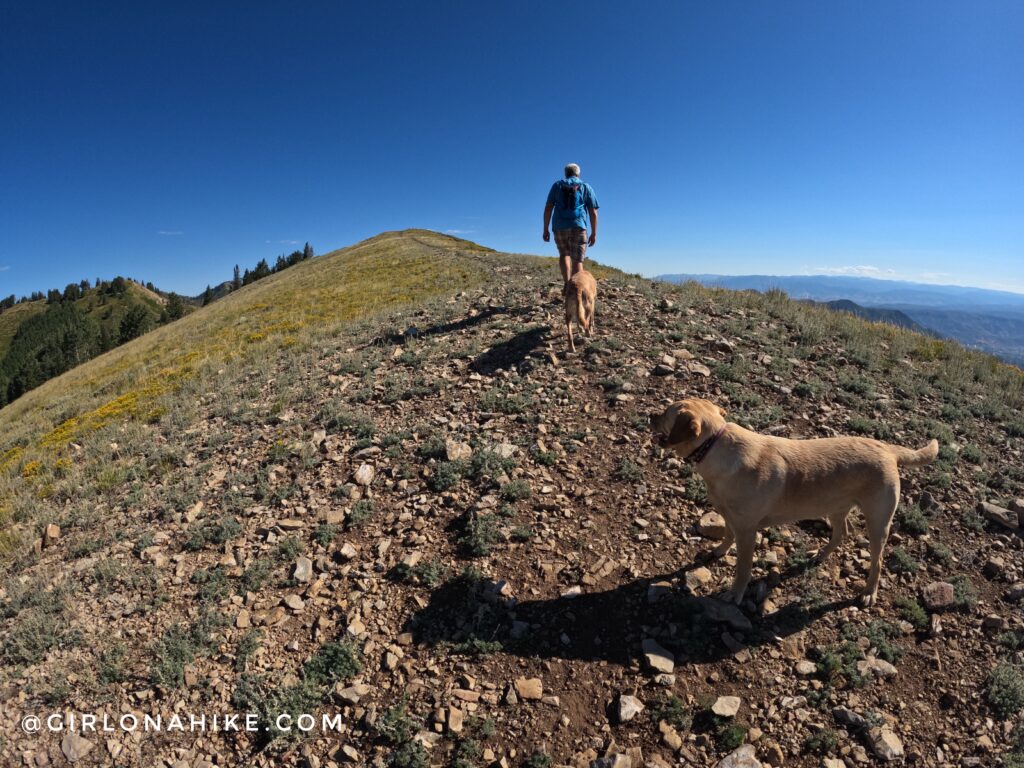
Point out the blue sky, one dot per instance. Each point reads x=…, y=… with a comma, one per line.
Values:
x=170, y=141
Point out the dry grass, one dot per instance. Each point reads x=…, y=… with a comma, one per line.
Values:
x=299, y=308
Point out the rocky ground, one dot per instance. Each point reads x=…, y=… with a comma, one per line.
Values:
x=459, y=537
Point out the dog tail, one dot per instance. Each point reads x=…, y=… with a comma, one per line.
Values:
x=580, y=317
x=908, y=458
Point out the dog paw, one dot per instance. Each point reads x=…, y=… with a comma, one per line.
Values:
x=868, y=599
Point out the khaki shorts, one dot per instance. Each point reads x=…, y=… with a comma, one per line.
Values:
x=572, y=243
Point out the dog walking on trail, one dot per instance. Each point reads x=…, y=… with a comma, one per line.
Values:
x=580, y=297
x=756, y=481
x=572, y=202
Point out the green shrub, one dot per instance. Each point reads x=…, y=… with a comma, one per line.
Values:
x=213, y=532
x=628, y=472
x=486, y=465
x=965, y=596
x=672, y=711
x=255, y=576
x=432, y=448
x=913, y=521
x=247, y=646
x=821, y=742
x=446, y=475
x=110, y=668
x=880, y=635
x=213, y=584
x=288, y=549
x=361, y=511
x=729, y=736
x=325, y=534
x=912, y=612
x=522, y=533
x=515, y=490
x=941, y=553
x=972, y=521
x=972, y=454
x=179, y=646
x=1005, y=690
x=480, y=534
x=333, y=662
x=504, y=402
x=33, y=635
x=839, y=664
x=901, y=562
x=1012, y=640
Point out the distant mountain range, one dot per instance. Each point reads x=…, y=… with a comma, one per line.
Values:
x=989, y=320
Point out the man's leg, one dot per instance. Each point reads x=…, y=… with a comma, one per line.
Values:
x=579, y=251
x=563, y=262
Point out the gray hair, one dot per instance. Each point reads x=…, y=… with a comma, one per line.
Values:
x=572, y=170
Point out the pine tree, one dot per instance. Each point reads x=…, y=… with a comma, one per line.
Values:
x=207, y=295
x=307, y=252
x=236, y=283
x=175, y=307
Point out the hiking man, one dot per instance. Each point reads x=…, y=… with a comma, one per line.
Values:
x=572, y=202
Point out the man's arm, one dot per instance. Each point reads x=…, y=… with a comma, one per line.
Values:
x=593, y=226
x=547, y=220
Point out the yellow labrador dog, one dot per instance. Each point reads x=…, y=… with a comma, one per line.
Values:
x=756, y=481
x=580, y=298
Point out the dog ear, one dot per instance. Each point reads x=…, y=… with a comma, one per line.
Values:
x=685, y=427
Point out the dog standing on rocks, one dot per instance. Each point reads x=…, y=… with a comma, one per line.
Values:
x=756, y=481
x=580, y=299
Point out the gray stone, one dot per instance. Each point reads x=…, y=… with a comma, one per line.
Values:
x=726, y=706
x=744, y=757
x=885, y=744
x=876, y=667
x=75, y=747
x=456, y=451
x=999, y=515
x=657, y=657
x=938, y=595
x=806, y=668
x=303, y=571
x=846, y=716
x=529, y=688
x=628, y=708
x=712, y=526
x=364, y=475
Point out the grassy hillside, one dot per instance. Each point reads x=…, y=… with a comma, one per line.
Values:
x=377, y=485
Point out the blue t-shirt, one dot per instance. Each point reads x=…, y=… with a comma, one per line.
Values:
x=568, y=218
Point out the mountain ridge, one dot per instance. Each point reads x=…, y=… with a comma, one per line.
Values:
x=377, y=486
x=985, y=319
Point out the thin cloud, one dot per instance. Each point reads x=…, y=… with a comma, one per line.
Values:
x=861, y=270
x=5, y=268
x=288, y=242
x=169, y=232
x=459, y=231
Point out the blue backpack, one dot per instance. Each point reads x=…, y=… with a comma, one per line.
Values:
x=572, y=196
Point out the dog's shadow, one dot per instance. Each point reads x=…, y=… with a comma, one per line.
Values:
x=606, y=625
